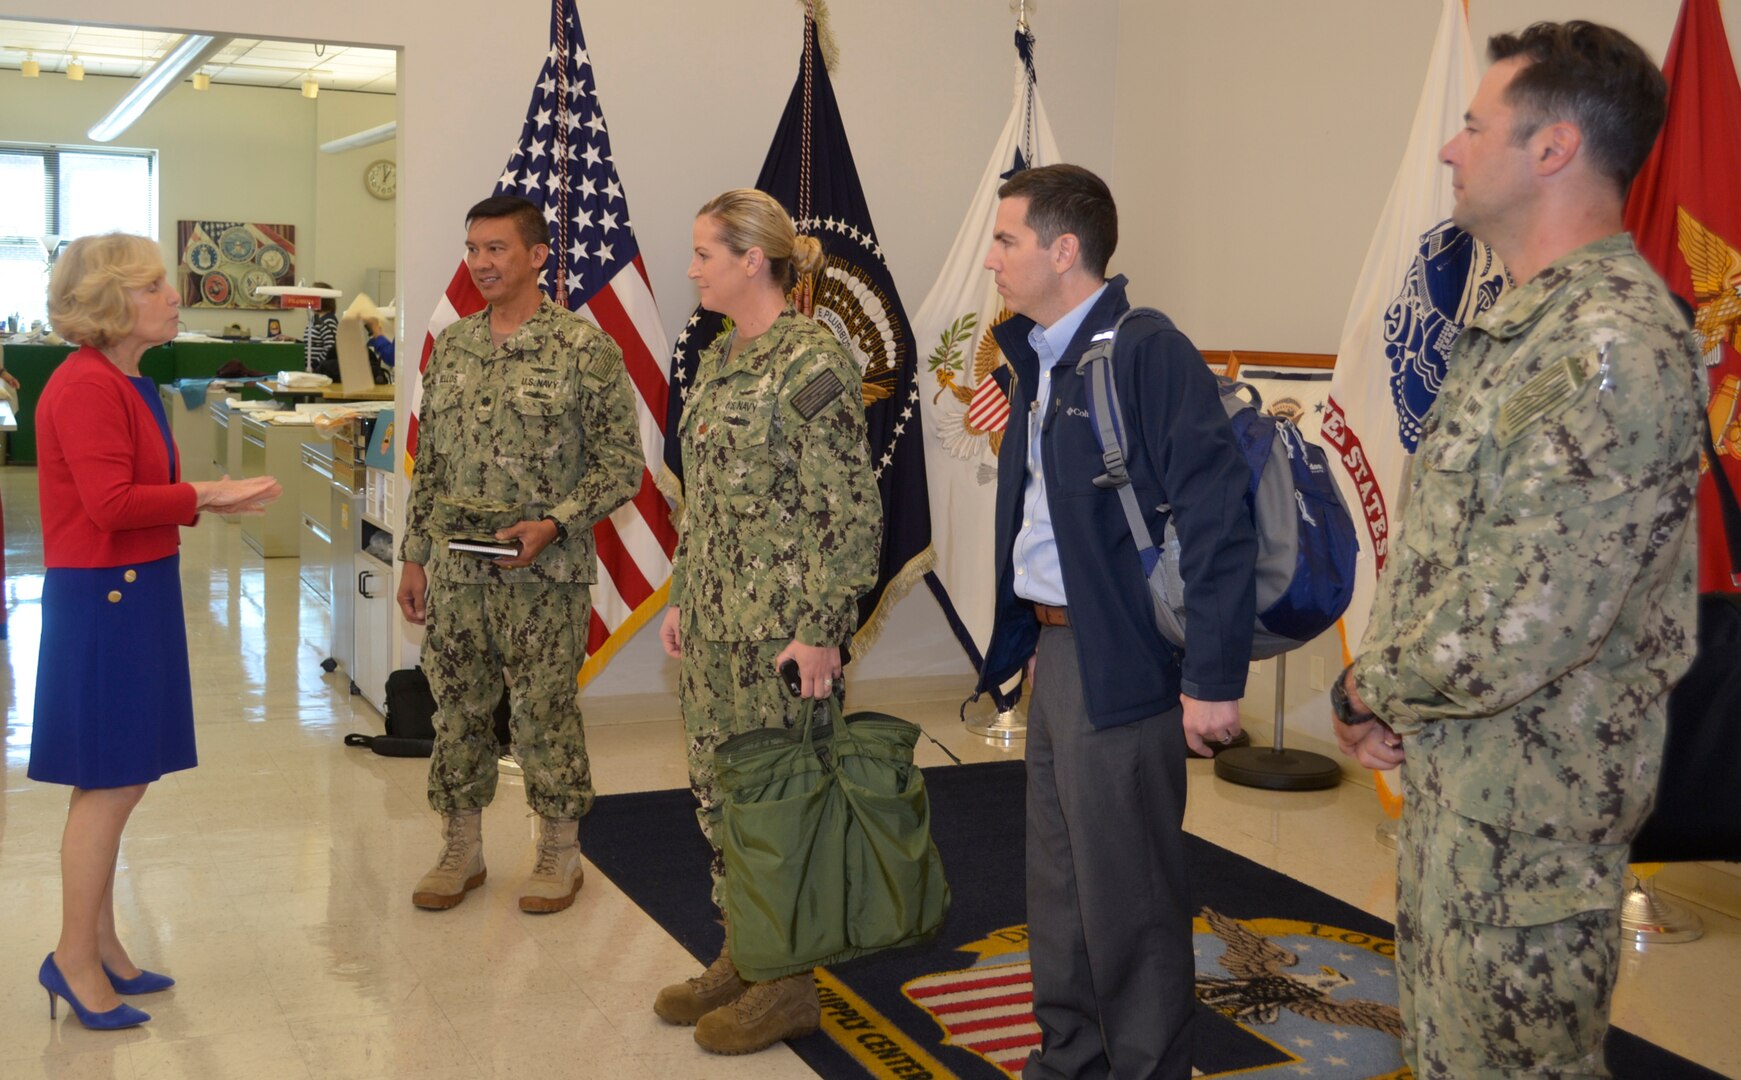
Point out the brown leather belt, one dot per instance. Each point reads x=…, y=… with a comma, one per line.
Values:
x=1052, y=616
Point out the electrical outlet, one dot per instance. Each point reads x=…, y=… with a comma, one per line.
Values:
x=1320, y=681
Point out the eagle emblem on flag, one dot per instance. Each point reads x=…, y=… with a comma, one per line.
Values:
x=1716, y=273
x=972, y=423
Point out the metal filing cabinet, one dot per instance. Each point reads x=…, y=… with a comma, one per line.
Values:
x=226, y=442
x=219, y=410
x=192, y=428
x=273, y=450
x=372, y=578
x=314, y=493
x=346, y=497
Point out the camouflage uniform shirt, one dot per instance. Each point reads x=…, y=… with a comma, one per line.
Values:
x=543, y=425
x=1540, y=604
x=782, y=524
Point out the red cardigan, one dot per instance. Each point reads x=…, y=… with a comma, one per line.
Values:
x=103, y=470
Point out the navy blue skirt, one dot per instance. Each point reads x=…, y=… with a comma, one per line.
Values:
x=114, y=705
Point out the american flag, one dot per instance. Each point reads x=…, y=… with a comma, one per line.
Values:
x=562, y=163
x=988, y=1009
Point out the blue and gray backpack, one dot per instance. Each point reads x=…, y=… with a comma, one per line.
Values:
x=1306, y=544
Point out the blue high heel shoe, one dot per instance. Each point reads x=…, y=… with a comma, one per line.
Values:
x=146, y=982
x=121, y=1016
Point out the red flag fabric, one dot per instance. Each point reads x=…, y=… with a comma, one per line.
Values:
x=562, y=163
x=1685, y=216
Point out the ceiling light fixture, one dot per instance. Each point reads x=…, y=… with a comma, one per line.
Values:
x=366, y=137
x=192, y=51
x=202, y=81
x=310, y=88
x=30, y=69
x=75, y=70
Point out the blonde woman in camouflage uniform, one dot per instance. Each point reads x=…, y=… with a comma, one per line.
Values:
x=779, y=539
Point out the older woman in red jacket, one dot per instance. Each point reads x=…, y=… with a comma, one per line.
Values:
x=114, y=706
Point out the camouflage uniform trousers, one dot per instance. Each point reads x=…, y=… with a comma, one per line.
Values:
x=1507, y=947
x=534, y=634
x=725, y=688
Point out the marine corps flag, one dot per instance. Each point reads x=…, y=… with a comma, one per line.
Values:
x=1422, y=281
x=1684, y=213
x=964, y=407
x=809, y=169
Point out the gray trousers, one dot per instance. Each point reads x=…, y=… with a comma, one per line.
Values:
x=1109, y=910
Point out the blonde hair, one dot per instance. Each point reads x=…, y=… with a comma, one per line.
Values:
x=87, y=295
x=749, y=218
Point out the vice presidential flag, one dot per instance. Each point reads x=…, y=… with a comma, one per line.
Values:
x=1685, y=215
x=562, y=163
x=964, y=408
x=1423, y=280
x=809, y=169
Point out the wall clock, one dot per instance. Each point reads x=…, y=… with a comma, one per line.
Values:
x=382, y=179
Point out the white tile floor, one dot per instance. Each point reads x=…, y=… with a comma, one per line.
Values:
x=274, y=880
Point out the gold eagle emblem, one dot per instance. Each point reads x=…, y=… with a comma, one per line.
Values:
x=1716, y=272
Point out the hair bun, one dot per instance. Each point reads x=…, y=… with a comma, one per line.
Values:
x=806, y=254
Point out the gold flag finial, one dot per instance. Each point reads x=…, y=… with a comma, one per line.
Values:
x=817, y=10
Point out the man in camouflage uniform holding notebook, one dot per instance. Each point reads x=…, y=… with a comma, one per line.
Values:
x=1540, y=604
x=528, y=436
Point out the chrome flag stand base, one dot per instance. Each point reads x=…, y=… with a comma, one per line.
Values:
x=1650, y=919
x=1002, y=727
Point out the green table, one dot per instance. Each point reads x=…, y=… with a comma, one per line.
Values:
x=33, y=364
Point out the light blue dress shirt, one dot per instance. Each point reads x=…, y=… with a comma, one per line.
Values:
x=1039, y=577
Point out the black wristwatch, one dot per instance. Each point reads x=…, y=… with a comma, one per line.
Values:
x=561, y=531
x=1339, y=703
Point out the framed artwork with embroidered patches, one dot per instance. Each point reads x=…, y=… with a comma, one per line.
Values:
x=222, y=263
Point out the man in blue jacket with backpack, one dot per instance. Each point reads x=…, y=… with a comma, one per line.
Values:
x=1113, y=706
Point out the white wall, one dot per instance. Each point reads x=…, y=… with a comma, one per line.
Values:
x=233, y=153
x=1256, y=141
x=355, y=228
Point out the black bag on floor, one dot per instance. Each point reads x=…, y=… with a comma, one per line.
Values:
x=1698, y=801
x=411, y=718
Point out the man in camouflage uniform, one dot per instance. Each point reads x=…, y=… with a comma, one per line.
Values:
x=527, y=435
x=1540, y=604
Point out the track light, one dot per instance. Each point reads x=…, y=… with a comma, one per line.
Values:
x=191, y=52
x=202, y=81
x=30, y=69
x=310, y=88
x=75, y=70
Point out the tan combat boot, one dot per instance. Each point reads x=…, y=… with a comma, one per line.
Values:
x=766, y=1013
x=556, y=876
x=688, y=1001
x=460, y=868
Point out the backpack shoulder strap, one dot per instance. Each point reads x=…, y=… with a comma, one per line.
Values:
x=1108, y=420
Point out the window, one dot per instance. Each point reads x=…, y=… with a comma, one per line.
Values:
x=50, y=195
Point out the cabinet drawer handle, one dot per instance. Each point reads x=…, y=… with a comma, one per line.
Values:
x=362, y=584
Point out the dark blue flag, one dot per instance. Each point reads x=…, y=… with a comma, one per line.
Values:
x=809, y=169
